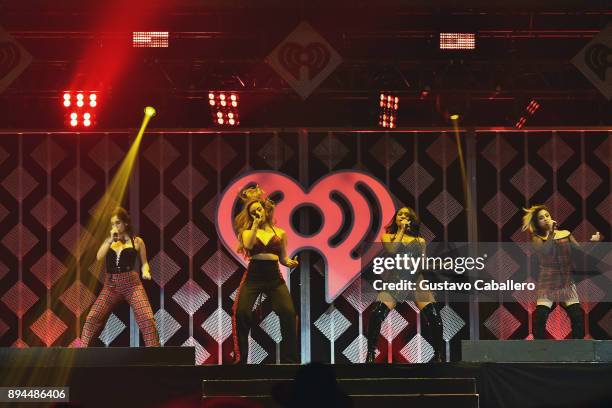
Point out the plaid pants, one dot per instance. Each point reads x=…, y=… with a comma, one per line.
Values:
x=128, y=286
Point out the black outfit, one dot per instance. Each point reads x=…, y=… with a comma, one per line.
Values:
x=430, y=313
x=124, y=262
x=263, y=276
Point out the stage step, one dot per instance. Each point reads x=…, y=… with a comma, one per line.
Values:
x=430, y=392
x=226, y=387
x=391, y=401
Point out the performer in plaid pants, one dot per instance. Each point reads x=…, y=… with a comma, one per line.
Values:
x=122, y=281
x=555, y=281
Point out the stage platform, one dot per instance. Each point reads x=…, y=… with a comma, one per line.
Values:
x=501, y=351
x=155, y=384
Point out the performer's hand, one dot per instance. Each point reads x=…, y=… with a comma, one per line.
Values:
x=146, y=273
x=406, y=225
x=114, y=234
x=596, y=237
x=292, y=263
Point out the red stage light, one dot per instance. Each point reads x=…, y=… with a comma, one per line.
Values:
x=457, y=41
x=150, y=39
x=225, y=105
x=71, y=116
x=389, y=104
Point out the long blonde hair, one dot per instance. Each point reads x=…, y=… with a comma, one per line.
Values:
x=530, y=219
x=243, y=221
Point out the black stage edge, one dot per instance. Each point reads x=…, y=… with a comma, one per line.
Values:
x=488, y=385
x=481, y=351
x=96, y=356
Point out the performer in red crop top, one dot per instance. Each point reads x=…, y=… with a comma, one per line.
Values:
x=121, y=250
x=265, y=245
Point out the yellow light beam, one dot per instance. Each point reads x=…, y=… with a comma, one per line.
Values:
x=96, y=230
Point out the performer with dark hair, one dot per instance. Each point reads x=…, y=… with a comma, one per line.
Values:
x=402, y=234
x=120, y=250
x=265, y=245
x=555, y=282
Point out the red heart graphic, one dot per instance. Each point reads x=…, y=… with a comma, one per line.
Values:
x=341, y=267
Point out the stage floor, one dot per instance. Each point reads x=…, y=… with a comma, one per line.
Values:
x=489, y=385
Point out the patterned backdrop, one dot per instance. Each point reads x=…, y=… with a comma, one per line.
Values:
x=50, y=183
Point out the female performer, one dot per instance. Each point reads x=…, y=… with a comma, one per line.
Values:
x=121, y=249
x=402, y=235
x=555, y=282
x=265, y=246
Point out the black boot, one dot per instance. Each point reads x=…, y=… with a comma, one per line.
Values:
x=574, y=311
x=378, y=315
x=433, y=319
x=540, y=316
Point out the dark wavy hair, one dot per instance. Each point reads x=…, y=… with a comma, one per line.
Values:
x=415, y=223
x=123, y=215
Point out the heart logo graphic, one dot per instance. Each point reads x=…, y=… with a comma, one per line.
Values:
x=341, y=264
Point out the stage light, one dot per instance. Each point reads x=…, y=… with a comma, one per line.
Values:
x=530, y=110
x=84, y=100
x=457, y=41
x=150, y=111
x=224, y=107
x=532, y=107
x=389, y=105
x=454, y=117
x=150, y=39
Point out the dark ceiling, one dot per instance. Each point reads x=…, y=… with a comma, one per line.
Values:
x=524, y=49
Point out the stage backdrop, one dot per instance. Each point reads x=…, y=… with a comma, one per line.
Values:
x=49, y=184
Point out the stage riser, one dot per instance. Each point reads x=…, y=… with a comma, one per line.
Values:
x=350, y=386
x=536, y=351
x=96, y=356
x=391, y=401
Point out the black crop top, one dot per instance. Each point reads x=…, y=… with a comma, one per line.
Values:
x=124, y=262
x=272, y=247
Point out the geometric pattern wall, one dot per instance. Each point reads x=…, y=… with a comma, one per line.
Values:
x=570, y=173
x=49, y=185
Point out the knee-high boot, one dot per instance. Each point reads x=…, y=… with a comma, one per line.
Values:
x=433, y=319
x=574, y=311
x=540, y=316
x=378, y=315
